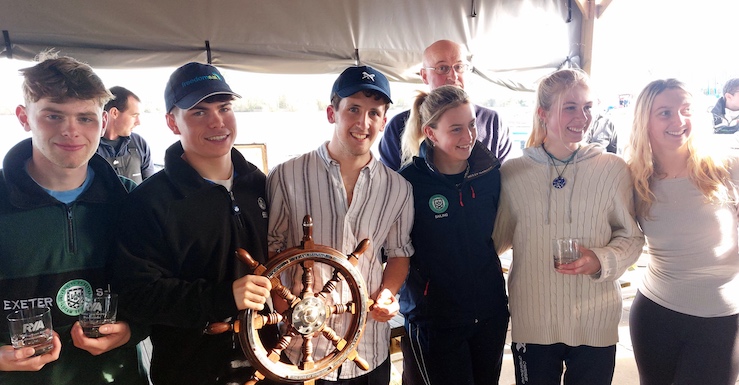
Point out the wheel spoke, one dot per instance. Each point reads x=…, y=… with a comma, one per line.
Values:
x=307, y=278
x=331, y=335
x=269, y=319
x=331, y=284
x=343, y=308
x=285, y=293
x=274, y=354
x=307, y=361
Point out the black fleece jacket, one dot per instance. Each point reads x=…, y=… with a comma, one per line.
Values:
x=175, y=263
x=455, y=276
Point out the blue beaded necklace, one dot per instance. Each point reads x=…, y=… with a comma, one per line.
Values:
x=560, y=182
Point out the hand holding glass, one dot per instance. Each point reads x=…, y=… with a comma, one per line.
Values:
x=31, y=327
x=98, y=310
x=565, y=250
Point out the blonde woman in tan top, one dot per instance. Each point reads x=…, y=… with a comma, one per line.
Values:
x=684, y=318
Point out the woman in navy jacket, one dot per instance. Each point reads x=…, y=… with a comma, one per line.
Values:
x=454, y=299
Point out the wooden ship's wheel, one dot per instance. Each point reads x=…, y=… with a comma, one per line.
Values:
x=307, y=315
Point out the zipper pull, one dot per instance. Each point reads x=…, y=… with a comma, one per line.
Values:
x=235, y=209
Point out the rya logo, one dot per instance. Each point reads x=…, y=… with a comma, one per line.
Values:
x=94, y=307
x=33, y=327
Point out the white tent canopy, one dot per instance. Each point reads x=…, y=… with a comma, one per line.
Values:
x=511, y=42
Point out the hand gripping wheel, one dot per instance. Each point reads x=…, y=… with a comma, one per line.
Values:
x=307, y=314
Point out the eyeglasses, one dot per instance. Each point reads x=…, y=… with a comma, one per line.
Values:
x=459, y=68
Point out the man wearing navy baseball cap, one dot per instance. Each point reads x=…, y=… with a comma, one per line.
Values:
x=350, y=196
x=176, y=267
x=192, y=83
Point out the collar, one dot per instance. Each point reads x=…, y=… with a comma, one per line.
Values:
x=481, y=160
x=25, y=193
x=187, y=179
x=370, y=167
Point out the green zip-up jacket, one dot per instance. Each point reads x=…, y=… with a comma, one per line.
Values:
x=51, y=255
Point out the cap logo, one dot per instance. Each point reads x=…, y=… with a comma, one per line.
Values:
x=212, y=76
x=366, y=76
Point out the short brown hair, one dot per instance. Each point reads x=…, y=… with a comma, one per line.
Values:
x=377, y=95
x=62, y=78
x=731, y=86
x=120, y=98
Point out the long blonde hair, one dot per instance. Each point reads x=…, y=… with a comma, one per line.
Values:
x=426, y=111
x=707, y=172
x=549, y=95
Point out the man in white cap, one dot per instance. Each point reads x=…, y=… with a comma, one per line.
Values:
x=175, y=265
x=350, y=196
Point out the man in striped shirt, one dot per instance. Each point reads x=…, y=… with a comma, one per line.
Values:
x=350, y=196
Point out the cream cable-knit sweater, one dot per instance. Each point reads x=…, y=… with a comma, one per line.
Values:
x=595, y=206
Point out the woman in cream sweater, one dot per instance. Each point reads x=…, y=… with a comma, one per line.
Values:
x=560, y=188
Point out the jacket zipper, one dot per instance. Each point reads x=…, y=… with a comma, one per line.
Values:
x=70, y=228
x=236, y=210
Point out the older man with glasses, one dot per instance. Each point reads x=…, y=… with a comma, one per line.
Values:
x=443, y=64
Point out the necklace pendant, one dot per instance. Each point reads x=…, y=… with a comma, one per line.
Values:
x=559, y=182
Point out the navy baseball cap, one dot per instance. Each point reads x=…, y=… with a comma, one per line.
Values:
x=355, y=79
x=193, y=82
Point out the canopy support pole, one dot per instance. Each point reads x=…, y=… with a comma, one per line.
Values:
x=591, y=10
x=8, y=46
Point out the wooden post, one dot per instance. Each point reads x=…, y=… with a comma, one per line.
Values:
x=591, y=11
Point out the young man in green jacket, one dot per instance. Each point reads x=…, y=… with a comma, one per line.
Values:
x=58, y=201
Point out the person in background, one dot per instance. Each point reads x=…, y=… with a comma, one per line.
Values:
x=125, y=150
x=603, y=132
x=726, y=111
x=350, y=196
x=178, y=233
x=443, y=64
x=57, y=199
x=454, y=299
x=560, y=188
x=684, y=319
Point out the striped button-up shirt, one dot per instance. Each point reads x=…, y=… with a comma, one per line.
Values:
x=381, y=211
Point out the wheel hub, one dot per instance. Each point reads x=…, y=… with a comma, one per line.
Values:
x=309, y=315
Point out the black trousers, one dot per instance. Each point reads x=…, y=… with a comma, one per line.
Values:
x=676, y=348
x=465, y=355
x=544, y=364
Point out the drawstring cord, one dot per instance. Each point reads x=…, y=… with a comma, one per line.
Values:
x=472, y=191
